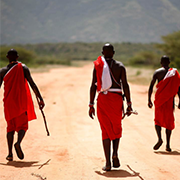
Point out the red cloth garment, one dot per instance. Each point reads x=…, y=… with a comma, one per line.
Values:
x=99, y=70
x=164, y=99
x=17, y=96
x=104, y=80
x=109, y=112
x=18, y=123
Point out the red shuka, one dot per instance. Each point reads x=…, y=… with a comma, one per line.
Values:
x=99, y=70
x=164, y=99
x=17, y=96
x=109, y=112
x=109, y=107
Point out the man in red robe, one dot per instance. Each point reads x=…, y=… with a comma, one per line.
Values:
x=167, y=88
x=107, y=75
x=18, y=104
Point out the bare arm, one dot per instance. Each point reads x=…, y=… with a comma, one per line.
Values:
x=179, y=97
x=126, y=89
x=92, y=94
x=35, y=89
x=1, y=78
x=150, y=91
x=3, y=71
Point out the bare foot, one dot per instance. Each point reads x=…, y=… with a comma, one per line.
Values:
x=116, y=162
x=106, y=168
x=19, y=151
x=9, y=157
x=168, y=149
x=157, y=145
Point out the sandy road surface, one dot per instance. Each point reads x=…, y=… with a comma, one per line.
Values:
x=74, y=150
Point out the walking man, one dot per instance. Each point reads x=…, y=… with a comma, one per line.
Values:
x=168, y=86
x=109, y=79
x=18, y=104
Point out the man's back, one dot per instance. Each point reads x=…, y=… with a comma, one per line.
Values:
x=117, y=69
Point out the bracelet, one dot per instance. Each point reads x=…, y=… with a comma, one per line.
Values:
x=129, y=103
x=91, y=104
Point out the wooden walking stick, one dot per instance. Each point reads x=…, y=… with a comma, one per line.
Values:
x=42, y=112
x=45, y=122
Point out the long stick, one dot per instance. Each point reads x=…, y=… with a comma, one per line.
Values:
x=44, y=119
x=45, y=122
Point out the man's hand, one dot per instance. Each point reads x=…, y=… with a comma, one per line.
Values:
x=150, y=104
x=91, y=112
x=129, y=110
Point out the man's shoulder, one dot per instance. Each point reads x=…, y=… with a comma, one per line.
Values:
x=24, y=67
x=118, y=63
x=119, y=66
x=159, y=70
x=3, y=69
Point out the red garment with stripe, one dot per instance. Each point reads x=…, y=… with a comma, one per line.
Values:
x=164, y=100
x=17, y=96
x=109, y=112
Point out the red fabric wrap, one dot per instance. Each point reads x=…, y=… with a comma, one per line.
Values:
x=99, y=69
x=109, y=112
x=18, y=123
x=17, y=96
x=164, y=101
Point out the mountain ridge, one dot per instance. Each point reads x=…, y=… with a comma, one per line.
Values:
x=39, y=21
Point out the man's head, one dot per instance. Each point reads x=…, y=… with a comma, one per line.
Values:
x=108, y=50
x=12, y=55
x=165, y=61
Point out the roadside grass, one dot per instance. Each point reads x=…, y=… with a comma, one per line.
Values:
x=139, y=75
x=135, y=75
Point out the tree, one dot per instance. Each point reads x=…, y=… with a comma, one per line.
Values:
x=171, y=47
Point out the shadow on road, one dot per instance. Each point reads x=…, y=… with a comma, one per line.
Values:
x=22, y=164
x=168, y=153
x=120, y=173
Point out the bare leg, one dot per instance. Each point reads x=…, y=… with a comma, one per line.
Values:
x=115, y=153
x=17, y=146
x=10, y=139
x=107, y=152
x=21, y=135
x=159, y=143
x=115, y=147
x=168, y=135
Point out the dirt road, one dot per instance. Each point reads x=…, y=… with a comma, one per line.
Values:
x=73, y=151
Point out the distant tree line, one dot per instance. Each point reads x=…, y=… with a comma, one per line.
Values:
x=136, y=54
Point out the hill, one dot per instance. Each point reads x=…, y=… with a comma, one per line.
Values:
x=39, y=21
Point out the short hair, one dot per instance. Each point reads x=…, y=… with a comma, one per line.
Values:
x=165, y=59
x=12, y=52
x=108, y=46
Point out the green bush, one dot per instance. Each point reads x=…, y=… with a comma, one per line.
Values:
x=145, y=58
x=43, y=60
x=25, y=56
